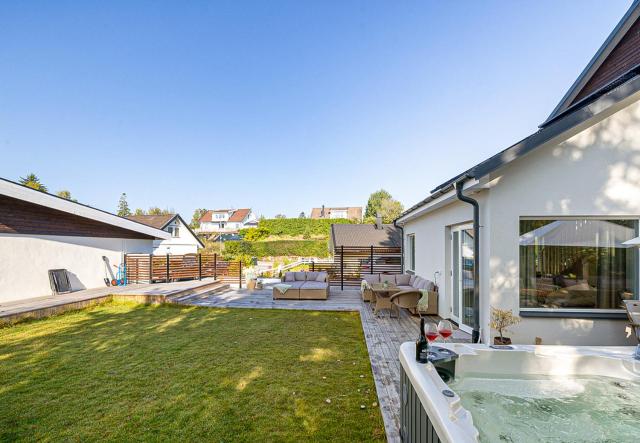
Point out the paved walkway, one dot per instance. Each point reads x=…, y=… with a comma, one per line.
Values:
x=383, y=335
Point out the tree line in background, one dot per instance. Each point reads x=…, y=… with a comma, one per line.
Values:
x=379, y=203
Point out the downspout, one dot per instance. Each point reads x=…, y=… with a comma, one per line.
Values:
x=395, y=223
x=475, y=336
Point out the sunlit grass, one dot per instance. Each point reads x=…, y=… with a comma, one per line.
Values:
x=127, y=372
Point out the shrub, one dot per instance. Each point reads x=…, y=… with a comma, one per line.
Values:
x=255, y=234
x=277, y=248
x=300, y=226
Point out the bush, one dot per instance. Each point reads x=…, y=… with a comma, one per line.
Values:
x=255, y=234
x=278, y=248
x=300, y=226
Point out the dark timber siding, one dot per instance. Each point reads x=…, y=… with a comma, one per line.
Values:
x=625, y=56
x=415, y=426
x=20, y=217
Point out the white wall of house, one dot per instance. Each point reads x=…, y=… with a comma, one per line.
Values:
x=184, y=243
x=27, y=258
x=594, y=173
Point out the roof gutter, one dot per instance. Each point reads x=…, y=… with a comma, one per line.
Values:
x=395, y=223
x=475, y=336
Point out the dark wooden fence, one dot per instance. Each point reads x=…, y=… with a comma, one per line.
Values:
x=166, y=268
x=350, y=263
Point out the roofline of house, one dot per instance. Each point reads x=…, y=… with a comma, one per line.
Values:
x=25, y=193
x=186, y=224
x=577, y=118
x=600, y=56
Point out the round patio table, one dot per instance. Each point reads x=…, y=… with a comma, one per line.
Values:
x=382, y=296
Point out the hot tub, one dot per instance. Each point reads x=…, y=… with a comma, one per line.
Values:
x=527, y=393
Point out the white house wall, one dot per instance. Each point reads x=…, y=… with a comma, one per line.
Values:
x=185, y=243
x=27, y=258
x=595, y=173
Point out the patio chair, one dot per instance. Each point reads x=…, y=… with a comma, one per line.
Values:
x=409, y=300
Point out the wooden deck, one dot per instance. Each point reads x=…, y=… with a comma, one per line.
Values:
x=383, y=335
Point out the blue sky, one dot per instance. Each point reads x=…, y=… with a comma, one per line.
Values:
x=279, y=106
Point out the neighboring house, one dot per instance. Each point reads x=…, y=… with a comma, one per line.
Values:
x=348, y=212
x=364, y=236
x=554, y=210
x=40, y=232
x=220, y=221
x=182, y=241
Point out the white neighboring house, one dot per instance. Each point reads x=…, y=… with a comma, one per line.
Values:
x=554, y=211
x=182, y=241
x=222, y=221
x=40, y=232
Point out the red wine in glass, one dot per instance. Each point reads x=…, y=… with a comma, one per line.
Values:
x=445, y=329
x=431, y=332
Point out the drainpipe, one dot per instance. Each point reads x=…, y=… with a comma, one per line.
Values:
x=395, y=223
x=475, y=336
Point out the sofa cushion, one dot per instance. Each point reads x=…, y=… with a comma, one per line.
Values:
x=403, y=279
x=388, y=278
x=312, y=275
x=412, y=277
x=417, y=282
x=322, y=277
x=314, y=285
x=371, y=278
x=296, y=284
x=421, y=284
x=405, y=287
x=429, y=285
x=301, y=276
x=289, y=276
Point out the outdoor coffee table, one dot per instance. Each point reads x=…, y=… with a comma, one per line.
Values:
x=383, y=295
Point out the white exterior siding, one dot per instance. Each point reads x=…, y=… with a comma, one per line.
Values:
x=185, y=243
x=594, y=173
x=27, y=258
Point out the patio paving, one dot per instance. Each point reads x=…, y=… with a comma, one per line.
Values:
x=383, y=335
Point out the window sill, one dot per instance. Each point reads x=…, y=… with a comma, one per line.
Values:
x=585, y=314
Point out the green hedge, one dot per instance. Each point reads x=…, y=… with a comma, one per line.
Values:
x=278, y=248
x=300, y=226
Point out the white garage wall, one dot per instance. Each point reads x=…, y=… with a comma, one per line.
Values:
x=26, y=260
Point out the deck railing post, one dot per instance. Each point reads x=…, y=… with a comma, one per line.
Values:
x=371, y=260
x=240, y=273
x=215, y=266
x=168, y=270
x=199, y=266
x=150, y=268
x=313, y=265
x=342, y=268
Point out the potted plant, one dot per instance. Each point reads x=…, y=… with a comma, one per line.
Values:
x=501, y=320
x=250, y=276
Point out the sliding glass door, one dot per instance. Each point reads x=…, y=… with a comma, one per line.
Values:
x=462, y=276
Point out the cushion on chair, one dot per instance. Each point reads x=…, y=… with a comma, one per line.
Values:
x=403, y=279
x=289, y=276
x=405, y=287
x=301, y=276
x=312, y=275
x=371, y=278
x=296, y=284
x=322, y=277
x=314, y=285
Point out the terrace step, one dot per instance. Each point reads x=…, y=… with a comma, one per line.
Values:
x=201, y=292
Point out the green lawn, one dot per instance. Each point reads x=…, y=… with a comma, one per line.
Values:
x=129, y=372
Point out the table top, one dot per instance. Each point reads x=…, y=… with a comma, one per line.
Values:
x=379, y=287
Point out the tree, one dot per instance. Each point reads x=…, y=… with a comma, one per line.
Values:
x=381, y=202
x=154, y=210
x=66, y=195
x=280, y=216
x=33, y=182
x=302, y=215
x=139, y=211
x=195, y=220
x=123, y=206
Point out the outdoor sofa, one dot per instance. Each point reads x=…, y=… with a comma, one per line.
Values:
x=404, y=282
x=304, y=286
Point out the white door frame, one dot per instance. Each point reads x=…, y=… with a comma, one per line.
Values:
x=458, y=276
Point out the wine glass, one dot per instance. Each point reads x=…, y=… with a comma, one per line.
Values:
x=445, y=329
x=430, y=332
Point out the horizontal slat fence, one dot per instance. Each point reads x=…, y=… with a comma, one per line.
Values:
x=350, y=263
x=166, y=268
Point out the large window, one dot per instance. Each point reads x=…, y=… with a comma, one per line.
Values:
x=577, y=263
x=411, y=252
